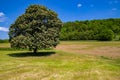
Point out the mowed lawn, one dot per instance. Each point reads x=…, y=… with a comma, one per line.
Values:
x=70, y=60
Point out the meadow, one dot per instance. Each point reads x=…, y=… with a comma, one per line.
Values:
x=70, y=60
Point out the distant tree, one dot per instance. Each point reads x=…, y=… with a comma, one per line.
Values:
x=38, y=28
x=91, y=30
x=4, y=40
x=106, y=35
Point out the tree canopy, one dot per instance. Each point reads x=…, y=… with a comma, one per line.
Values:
x=105, y=29
x=37, y=28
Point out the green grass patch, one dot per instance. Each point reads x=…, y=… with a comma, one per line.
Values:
x=57, y=65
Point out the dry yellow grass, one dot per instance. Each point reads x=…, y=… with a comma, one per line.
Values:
x=68, y=62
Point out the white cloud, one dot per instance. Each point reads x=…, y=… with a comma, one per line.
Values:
x=114, y=9
x=1, y=14
x=4, y=29
x=2, y=17
x=79, y=5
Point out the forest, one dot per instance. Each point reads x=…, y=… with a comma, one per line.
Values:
x=103, y=30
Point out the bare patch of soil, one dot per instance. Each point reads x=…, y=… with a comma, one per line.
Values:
x=109, y=51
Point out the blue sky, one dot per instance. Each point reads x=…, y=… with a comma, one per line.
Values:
x=68, y=10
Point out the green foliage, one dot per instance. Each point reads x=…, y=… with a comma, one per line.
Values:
x=106, y=35
x=90, y=30
x=19, y=42
x=4, y=41
x=37, y=28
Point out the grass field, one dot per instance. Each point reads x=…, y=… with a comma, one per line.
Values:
x=70, y=60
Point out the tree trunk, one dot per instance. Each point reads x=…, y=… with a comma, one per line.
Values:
x=35, y=50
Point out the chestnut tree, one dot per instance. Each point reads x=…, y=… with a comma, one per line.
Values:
x=38, y=28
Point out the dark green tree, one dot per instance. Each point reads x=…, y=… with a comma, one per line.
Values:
x=106, y=35
x=91, y=30
x=38, y=28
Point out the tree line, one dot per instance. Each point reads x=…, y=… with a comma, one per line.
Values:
x=104, y=30
x=4, y=40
